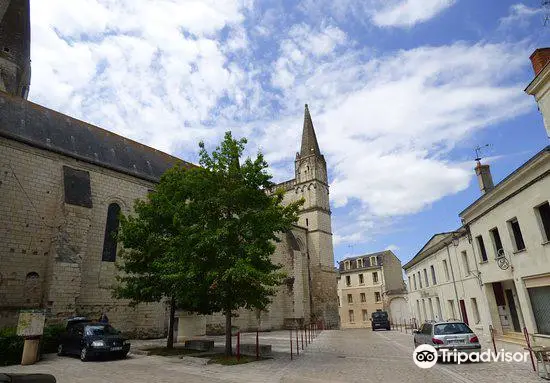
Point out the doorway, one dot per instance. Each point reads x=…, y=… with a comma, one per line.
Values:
x=463, y=311
x=513, y=310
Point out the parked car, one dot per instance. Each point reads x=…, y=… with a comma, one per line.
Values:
x=26, y=378
x=379, y=319
x=447, y=335
x=92, y=339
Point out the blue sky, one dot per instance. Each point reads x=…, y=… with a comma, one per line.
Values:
x=400, y=92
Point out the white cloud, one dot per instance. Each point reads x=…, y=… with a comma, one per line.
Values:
x=168, y=73
x=519, y=16
x=407, y=13
x=393, y=248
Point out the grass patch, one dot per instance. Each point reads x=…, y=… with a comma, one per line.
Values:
x=176, y=351
x=231, y=360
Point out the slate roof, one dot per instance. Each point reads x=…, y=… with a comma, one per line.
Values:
x=33, y=124
x=309, y=140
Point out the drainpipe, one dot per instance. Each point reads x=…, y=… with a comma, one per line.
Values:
x=454, y=282
x=471, y=240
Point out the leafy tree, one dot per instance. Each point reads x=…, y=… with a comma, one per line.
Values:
x=203, y=239
x=240, y=224
x=158, y=259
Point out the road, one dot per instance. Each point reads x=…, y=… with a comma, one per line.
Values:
x=334, y=356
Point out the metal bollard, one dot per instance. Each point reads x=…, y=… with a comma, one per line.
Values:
x=290, y=332
x=238, y=345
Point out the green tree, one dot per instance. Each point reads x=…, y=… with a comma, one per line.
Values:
x=158, y=258
x=203, y=239
x=241, y=217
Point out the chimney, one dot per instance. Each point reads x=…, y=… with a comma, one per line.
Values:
x=484, y=177
x=539, y=59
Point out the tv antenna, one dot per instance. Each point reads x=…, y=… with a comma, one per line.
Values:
x=479, y=149
x=352, y=246
x=545, y=5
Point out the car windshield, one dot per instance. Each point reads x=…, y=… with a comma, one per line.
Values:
x=380, y=315
x=101, y=330
x=451, y=328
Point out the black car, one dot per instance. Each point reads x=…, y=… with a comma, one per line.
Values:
x=27, y=378
x=379, y=319
x=92, y=339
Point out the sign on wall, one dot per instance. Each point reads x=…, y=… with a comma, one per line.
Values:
x=31, y=322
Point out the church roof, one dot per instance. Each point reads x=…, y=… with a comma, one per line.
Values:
x=33, y=124
x=309, y=140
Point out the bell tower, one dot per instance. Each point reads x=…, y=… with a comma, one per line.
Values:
x=15, y=47
x=312, y=185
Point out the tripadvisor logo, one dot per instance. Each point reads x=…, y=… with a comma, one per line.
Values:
x=426, y=356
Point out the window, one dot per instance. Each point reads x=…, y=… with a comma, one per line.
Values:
x=424, y=312
x=360, y=262
x=419, y=279
x=410, y=286
x=363, y=297
x=375, y=277
x=339, y=303
x=451, y=309
x=418, y=310
x=497, y=243
x=543, y=216
x=540, y=296
x=517, y=238
x=438, y=307
x=348, y=280
x=346, y=265
x=350, y=298
x=414, y=280
x=426, y=278
x=307, y=222
x=361, y=279
x=431, y=308
x=434, y=279
x=465, y=263
x=373, y=261
x=446, y=269
x=481, y=247
x=377, y=296
x=351, y=317
x=475, y=310
x=111, y=230
x=365, y=316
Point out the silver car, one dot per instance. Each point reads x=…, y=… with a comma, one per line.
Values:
x=447, y=335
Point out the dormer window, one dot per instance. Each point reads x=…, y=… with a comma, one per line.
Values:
x=346, y=265
x=373, y=261
x=360, y=262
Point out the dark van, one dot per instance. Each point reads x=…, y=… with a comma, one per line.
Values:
x=379, y=319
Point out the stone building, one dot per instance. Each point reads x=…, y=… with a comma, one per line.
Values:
x=370, y=282
x=63, y=183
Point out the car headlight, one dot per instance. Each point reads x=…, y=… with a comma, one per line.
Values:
x=98, y=343
x=126, y=341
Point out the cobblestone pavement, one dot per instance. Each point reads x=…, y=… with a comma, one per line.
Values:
x=334, y=356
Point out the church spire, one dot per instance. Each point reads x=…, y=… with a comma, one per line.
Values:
x=309, y=140
x=15, y=46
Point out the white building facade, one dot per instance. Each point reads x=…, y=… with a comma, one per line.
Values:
x=444, y=284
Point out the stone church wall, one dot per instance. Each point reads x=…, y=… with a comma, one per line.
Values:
x=56, y=247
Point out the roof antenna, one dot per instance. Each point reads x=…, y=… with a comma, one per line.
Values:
x=545, y=5
x=478, y=150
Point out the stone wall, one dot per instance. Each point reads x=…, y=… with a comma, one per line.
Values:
x=62, y=243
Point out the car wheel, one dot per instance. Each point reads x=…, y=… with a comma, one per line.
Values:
x=60, y=350
x=84, y=354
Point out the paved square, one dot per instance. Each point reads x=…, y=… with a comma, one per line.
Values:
x=334, y=356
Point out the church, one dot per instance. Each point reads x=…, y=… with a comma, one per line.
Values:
x=63, y=183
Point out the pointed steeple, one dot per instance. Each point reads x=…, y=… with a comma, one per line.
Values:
x=15, y=47
x=309, y=140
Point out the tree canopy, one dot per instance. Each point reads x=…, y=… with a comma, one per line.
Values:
x=203, y=239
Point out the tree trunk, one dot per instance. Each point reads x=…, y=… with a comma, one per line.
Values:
x=170, y=340
x=228, y=348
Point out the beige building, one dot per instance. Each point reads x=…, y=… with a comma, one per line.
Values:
x=368, y=283
x=63, y=183
x=443, y=282
x=495, y=270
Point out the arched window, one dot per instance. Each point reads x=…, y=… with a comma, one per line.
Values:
x=111, y=230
